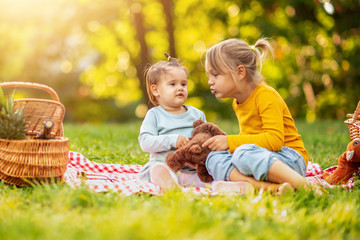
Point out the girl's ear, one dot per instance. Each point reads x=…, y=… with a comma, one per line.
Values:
x=154, y=90
x=241, y=71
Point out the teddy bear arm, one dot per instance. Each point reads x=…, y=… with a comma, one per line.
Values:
x=174, y=161
x=339, y=176
x=325, y=175
x=331, y=178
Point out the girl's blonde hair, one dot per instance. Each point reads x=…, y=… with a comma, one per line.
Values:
x=154, y=72
x=227, y=55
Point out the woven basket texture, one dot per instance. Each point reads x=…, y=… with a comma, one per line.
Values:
x=353, y=123
x=34, y=160
x=23, y=162
x=36, y=111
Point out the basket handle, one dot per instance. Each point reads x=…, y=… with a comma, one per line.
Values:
x=43, y=87
x=356, y=113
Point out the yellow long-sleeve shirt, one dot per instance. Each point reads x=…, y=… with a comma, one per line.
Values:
x=265, y=120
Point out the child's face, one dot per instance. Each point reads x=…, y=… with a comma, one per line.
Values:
x=171, y=91
x=222, y=85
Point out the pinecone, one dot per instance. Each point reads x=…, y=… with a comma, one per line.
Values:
x=12, y=123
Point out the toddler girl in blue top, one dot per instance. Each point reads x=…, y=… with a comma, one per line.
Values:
x=168, y=126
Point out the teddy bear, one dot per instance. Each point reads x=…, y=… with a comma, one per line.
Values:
x=192, y=153
x=348, y=164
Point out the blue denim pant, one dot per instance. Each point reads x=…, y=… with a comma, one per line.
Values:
x=252, y=160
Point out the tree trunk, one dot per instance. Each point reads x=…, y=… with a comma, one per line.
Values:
x=168, y=6
x=140, y=63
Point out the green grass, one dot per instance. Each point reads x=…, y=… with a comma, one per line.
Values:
x=60, y=212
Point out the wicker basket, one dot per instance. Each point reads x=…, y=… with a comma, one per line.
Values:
x=27, y=161
x=353, y=123
x=33, y=160
x=36, y=111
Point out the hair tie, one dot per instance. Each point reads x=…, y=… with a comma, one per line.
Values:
x=252, y=47
x=168, y=57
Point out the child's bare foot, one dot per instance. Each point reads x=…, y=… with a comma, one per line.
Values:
x=280, y=189
x=160, y=175
x=227, y=187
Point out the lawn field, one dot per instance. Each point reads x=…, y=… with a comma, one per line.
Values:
x=60, y=212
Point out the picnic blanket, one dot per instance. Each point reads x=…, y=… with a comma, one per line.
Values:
x=122, y=178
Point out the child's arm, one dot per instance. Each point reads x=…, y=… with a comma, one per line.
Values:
x=266, y=131
x=269, y=129
x=149, y=138
x=150, y=141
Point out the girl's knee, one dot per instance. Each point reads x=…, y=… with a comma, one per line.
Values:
x=246, y=154
x=218, y=164
x=252, y=160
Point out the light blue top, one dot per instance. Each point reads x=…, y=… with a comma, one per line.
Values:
x=159, y=133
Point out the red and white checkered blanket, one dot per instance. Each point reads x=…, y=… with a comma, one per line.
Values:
x=314, y=174
x=122, y=178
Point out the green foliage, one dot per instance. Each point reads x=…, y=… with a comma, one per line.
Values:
x=90, y=51
x=12, y=122
x=60, y=212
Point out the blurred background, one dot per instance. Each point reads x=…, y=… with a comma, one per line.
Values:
x=93, y=52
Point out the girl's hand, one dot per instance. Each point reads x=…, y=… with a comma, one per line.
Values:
x=217, y=143
x=181, y=141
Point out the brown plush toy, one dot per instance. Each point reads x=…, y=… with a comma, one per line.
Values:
x=192, y=153
x=348, y=164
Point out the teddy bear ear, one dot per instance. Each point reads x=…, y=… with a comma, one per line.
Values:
x=195, y=149
x=197, y=123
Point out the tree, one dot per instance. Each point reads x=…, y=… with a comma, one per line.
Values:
x=96, y=53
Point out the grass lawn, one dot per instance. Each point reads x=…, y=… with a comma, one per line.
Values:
x=60, y=212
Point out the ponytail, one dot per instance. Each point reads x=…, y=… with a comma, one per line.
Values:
x=266, y=49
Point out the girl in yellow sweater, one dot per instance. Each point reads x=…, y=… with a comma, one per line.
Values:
x=268, y=149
